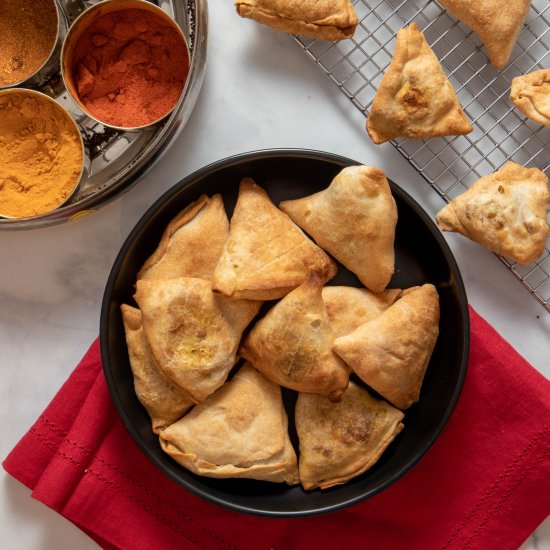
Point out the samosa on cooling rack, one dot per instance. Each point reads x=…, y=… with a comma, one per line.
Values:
x=415, y=98
x=497, y=23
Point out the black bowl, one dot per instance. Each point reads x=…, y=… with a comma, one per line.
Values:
x=422, y=255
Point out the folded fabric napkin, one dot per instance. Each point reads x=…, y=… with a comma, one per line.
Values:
x=485, y=483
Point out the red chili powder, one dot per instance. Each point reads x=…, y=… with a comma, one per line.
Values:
x=130, y=67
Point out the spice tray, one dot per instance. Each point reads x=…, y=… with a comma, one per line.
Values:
x=117, y=159
x=501, y=133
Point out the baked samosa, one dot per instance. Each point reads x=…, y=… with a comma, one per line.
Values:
x=241, y=430
x=354, y=220
x=497, y=24
x=165, y=401
x=193, y=333
x=391, y=353
x=339, y=441
x=531, y=95
x=291, y=345
x=349, y=307
x=504, y=212
x=415, y=98
x=191, y=243
x=266, y=255
x=320, y=19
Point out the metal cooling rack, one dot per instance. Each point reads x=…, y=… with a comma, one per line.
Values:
x=501, y=132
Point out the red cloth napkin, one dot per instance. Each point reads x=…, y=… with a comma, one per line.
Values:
x=485, y=483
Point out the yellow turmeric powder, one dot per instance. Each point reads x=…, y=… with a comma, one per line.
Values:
x=41, y=154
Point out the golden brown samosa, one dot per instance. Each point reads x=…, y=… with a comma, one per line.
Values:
x=497, y=23
x=239, y=431
x=415, y=98
x=291, y=345
x=165, y=401
x=191, y=243
x=320, y=19
x=504, y=211
x=531, y=95
x=354, y=220
x=391, y=353
x=349, y=307
x=193, y=333
x=339, y=441
x=266, y=255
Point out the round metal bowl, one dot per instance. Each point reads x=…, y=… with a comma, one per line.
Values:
x=422, y=255
x=118, y=159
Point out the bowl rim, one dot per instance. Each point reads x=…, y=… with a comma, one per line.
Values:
x=232, y=160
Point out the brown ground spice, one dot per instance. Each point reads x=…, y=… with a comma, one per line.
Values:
x=28, y=29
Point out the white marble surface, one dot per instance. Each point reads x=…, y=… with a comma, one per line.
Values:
x=260, y=91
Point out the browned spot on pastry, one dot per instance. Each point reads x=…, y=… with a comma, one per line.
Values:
x=415, y=102
x=325, y=451
x=355, y=428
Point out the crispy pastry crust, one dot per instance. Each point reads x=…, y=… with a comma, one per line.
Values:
x=504, y=211
x=321, y=19
x=291, y=345
x=192, y=332
x=266, y=254
x=349, y=307
x=191, y=243
x=165, y=401
x=241, y=431
x=353, y=219
x=415, y=98
x=339, y=441
x=531, y=95
x=497, y=23
x=391, y=353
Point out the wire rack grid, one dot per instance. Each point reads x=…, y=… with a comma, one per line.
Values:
x=501, y=132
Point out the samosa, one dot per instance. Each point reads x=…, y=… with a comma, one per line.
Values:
x=339, y=441
x=354, y=220
x=192, y=242
x=349, y=307
x=291, y=345
x=504, y=212
x=241, y=430
x=497, y=24
x=266, y=254
x=391, y=353
x=164, y=401
x=415, y=98
x=193, y=333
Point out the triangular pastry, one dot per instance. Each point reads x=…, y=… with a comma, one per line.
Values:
x=391, y=353
x=239, y=431
x=415, y=98
x=164, y=401
x=291, y=345
x=266, y=255
x=193, y=333
x=349, y=307
x=191, y=243
x=321, y=19
x=504, y=211
x=339, y=441
x=354, y=220
x=497, y=24
x=531, y=95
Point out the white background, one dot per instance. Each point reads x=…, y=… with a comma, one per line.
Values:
x=260, y=91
